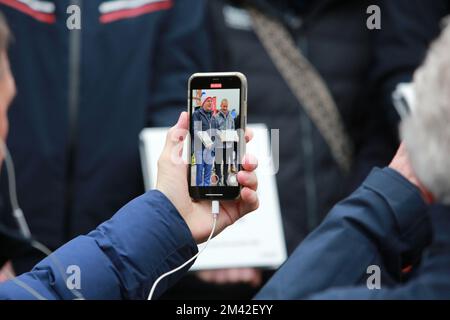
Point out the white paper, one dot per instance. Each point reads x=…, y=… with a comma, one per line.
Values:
x=229, y=136
x=205, y=139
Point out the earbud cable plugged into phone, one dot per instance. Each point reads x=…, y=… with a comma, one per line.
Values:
x=215, y=208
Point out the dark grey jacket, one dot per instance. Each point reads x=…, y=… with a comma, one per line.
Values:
x=333, y=36
x=225, y=122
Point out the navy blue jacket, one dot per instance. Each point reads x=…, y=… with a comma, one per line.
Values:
x=121, y=259
x=203, y=120
x=385, y=223
x=84, y=96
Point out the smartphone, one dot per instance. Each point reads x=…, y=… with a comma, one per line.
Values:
x=217, y=108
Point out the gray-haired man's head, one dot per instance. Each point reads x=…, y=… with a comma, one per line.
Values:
x=426, y=132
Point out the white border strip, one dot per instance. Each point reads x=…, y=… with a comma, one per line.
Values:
x=111, y=6
x=40, y=6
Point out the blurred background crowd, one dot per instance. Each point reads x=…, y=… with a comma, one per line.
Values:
x=84, y=95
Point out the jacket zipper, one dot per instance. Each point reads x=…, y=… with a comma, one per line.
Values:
x=73, y=110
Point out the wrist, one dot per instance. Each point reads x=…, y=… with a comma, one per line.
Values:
x=193, y=227
x=183, y=211
x=412, y=179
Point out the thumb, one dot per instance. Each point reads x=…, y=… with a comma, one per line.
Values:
x=173, y=148
x=178, y=132
x=182, y=121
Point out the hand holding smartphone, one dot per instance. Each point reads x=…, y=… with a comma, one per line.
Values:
x=217, y=108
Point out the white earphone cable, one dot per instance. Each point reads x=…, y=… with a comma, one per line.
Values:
x=24, y=228
x=215, y=213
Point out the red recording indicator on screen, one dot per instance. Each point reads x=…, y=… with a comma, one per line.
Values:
x=216, y=85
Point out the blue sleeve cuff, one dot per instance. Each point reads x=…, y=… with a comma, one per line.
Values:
x=121, y=259
x=409, y=211
x=145, y=239
x=403, y=197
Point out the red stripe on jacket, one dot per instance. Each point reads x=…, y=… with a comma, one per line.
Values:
x=129, y=13
x=40, y=16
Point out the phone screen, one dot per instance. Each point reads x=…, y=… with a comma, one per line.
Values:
x=216, y=136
